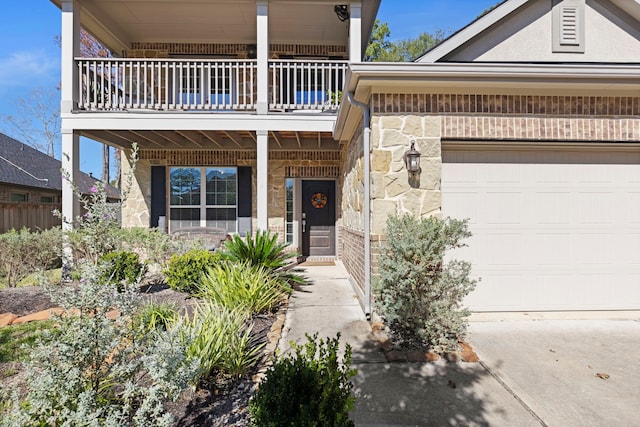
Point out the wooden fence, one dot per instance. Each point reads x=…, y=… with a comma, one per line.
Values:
x=34, y=216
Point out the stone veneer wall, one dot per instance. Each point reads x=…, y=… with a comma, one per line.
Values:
x=136, y=208
x=282, y=165
x=427, y=119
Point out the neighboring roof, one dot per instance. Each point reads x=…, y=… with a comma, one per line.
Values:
x=21, y=164
x=498, y=15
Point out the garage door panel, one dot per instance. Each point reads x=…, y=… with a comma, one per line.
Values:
x=552, y=230
x=594, y=208
x=551, y=208
x=507, y=285
x=502, y=208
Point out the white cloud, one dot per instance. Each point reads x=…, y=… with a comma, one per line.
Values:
x=28, y=69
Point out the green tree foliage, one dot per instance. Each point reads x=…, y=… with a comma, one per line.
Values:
x=418, y=294
x=381, y=49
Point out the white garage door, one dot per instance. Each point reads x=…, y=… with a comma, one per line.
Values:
x=554, y=229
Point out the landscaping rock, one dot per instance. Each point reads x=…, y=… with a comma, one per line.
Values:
x=396, y=356
x=38, y=316
x=432, y=356
x=7, y=319
x=416, y=356
x=467, y=353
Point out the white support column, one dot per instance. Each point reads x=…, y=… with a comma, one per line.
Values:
x=71, y=169
x=70, y=49
x=262, y=178
x=262, y=55
x=355, y=32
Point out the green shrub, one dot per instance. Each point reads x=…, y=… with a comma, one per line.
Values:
x=95, y=371
x=308, y=388
x=121, y=266
x=17, y=340
x=154, y=317
x=243, y=287
x=263, y=250
x=185, y=271
x=24, y=253
x=153, y=246
x=221, y=340
x=419, y=295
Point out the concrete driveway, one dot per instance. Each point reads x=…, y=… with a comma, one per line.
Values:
x=564, y=371
x=534, y=370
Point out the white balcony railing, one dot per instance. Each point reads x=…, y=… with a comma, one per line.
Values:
x=166, y=84
x=176, y=84
x=307, y=85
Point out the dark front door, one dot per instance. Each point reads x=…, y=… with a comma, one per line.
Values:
x=318, y=218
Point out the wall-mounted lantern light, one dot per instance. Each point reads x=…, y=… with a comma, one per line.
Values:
x=412, y=159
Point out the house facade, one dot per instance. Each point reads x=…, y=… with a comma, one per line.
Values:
x=232, y=105
x=260, y=115
x=528, y=122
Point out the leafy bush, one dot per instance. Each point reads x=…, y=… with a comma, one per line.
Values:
x=417, y=293
x=153, y=246
x=93, y=371
x=24, y=252
x=243, y=287
x=221, y=340
x=263, y=250
x=121, y=266
x=308, y=388
x=185, y=271
x=155, y=317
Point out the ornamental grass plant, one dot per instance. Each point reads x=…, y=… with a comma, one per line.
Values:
x=242, y=286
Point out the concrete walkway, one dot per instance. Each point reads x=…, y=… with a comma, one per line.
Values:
x=534, y=371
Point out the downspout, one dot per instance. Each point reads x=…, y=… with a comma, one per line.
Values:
x=367, y=201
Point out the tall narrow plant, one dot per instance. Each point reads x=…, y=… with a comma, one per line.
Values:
x=418, y=293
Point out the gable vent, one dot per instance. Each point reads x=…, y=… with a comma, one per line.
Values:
x=569, y=26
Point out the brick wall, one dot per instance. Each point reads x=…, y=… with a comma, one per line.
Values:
x=163, y=50
x=522, y=117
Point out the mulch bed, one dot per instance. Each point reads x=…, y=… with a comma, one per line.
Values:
x=221, y=404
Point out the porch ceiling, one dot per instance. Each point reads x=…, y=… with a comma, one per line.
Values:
x=118, y=23
x=214, y=140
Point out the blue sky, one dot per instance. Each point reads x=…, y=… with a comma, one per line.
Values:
x=30, y=58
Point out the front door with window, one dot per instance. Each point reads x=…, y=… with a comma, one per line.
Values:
x=318, y=218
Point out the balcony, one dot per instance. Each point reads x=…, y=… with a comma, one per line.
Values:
x=109, y=84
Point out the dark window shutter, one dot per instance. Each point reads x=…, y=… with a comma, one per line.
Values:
x=244, y=200
x=158, y=194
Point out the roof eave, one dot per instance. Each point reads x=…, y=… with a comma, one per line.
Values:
x=366, y=78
